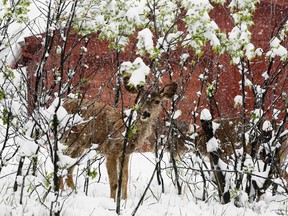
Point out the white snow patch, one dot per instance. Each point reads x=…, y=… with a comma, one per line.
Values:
x=65, y=161
x=276, y=49
x=132, y=14
x=212, y=145
x=260, y=177
x=177, y=113
x=276, y=113
x=205, y=115
x=27, y=147
x=238, y=100
x=215, y=126
x=267, y=126
x=265, y=75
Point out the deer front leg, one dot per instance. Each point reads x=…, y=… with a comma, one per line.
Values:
x=125, y=177
x=111, y=164
x=61, y=183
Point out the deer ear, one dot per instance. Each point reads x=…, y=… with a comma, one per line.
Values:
x=169, y=90
x=71, y=105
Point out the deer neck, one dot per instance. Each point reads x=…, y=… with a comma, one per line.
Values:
x=142, y=130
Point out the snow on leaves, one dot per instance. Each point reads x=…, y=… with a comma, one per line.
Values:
x=267, y=126
x=200, y=26
x=239, y=44
x=145, y=42
x=238, y=100
x=169, y=41
x=113, y=18
x=14, y=12
x=137, y=71
x=276, y=49
x=166, y=13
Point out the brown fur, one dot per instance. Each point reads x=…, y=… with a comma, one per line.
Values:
x=229, y=135
x=105, y=126
x=177, y=134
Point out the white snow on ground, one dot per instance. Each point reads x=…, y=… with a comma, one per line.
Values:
x=98, y=202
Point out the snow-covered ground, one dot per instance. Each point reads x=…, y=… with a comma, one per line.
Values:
x=97, y=202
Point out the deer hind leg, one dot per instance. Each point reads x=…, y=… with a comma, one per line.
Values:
x=75, y=151
x=111, y=164
x=69, y=180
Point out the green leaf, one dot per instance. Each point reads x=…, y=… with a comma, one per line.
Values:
x=2, y=95
x=48, y=179
x=7, y=116
x=93, y=174
x=132, y=131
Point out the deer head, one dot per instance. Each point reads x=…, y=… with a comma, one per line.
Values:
x=148, y=113
x=150, y=102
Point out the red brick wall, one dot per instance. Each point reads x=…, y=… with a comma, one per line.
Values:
x=283, y=3
x=103, y=62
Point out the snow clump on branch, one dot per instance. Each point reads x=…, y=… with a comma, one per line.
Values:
x=205, y=115
x=277, y=49
x=137, y=71
x=145, y=42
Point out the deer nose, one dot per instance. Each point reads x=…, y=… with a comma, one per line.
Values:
x=145, y=115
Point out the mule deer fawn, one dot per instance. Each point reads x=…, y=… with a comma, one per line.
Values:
x=228, y=132
x=105, y=126
x=271, y=151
